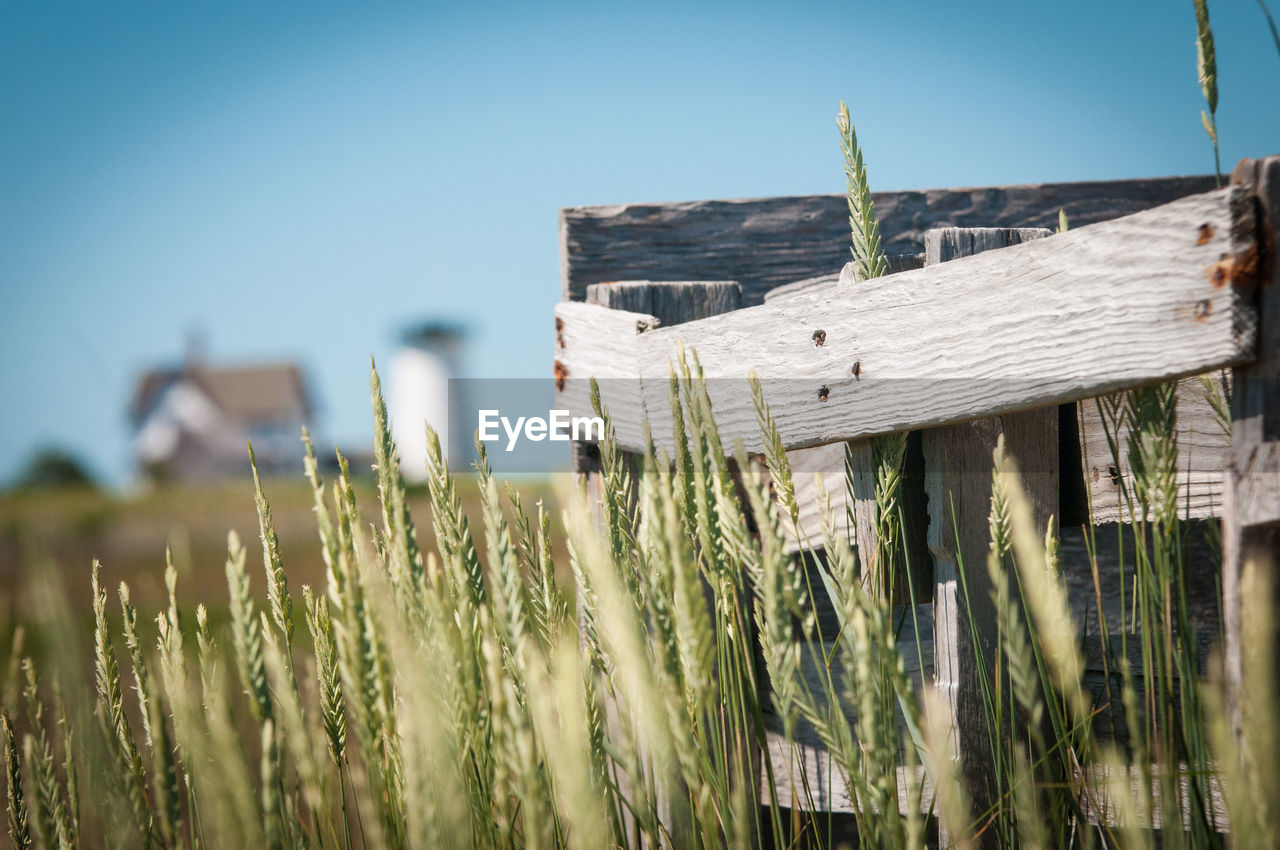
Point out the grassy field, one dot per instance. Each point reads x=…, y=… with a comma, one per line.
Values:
x=61, y=532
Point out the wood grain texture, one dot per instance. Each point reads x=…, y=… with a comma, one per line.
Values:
x=766, y=242
x=1133, y=301
x=1203, y=454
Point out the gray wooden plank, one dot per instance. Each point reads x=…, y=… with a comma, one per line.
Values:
x=1133, y=301
x=766, y=242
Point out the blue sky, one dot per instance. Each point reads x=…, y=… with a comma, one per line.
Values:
x=304, y=182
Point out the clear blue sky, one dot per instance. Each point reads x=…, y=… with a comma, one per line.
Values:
x=302, y=180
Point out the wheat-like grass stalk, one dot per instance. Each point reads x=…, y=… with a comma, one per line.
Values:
x=1045, y=597
x=18, y=820
x=562, y=723
x=692, y=626
x=452, y=528
x=774, y=453
x=782, y=653
x=70, y=768
x=233, y=810
x=112, y=711
x=53, y=825
x=279, y=600
x=141, y=672
x=1033, y=832
x=1207, y=68
x=868, y=256
x=168, y=799
x=273, y=806
x=363, y=662
x=510, y=599
x=293, y=727
x=405, y=564
x=246, y=632
x=333, y=708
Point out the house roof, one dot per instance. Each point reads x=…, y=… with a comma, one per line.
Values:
x=255, y=393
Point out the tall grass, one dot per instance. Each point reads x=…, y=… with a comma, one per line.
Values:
x=1207, y=68
x=468, y=695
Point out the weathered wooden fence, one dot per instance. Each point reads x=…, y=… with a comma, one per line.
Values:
x=989, y=326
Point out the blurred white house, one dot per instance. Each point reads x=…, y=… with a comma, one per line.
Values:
x=193, y=422
x=418, y=394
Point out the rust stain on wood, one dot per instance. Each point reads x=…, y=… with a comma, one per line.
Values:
x=559, y=332
x=857, y=368
x=1203, y=309
x=561, y=374
x=1240, y=271
x=1206, y=233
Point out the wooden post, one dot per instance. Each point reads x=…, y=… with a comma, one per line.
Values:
x=958, y=471
x=1251, y=495
x=672, y=303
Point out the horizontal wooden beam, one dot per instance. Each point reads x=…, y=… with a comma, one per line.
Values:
x=1160, y=294
x=766, y=242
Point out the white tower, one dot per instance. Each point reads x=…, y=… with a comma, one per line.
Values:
x=419, y=392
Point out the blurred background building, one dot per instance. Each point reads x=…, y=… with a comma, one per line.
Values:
x=192, y=423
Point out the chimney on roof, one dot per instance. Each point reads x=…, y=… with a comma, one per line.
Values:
x=194, y=348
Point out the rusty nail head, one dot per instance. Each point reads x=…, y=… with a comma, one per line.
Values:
x=857, y=368
x=819, y=337
x=823, y=392
x=1206, y=233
